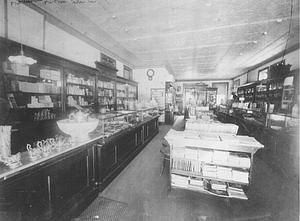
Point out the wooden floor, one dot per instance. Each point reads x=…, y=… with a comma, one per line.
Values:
x=146, y=194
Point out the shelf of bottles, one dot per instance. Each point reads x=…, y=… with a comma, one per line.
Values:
x=249, y=94
x=261, y=95
x=34, y=93
x=106, y=94
x=131, y=92
x=275, y=93
x=79, y=90
x=121, y=96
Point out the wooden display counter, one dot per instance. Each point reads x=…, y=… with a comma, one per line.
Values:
x=281, y=150
x=58, y=186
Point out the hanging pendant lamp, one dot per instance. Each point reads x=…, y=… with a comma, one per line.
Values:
x=21, y=59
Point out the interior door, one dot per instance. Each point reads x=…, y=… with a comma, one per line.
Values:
x=222, y=94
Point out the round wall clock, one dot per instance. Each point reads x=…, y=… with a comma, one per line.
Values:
x=150, y=74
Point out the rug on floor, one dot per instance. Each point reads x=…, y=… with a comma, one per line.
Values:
x=103, y=209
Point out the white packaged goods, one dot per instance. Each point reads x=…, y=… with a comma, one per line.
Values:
x=240, y=176
x=191, y=153
x=220, y=157
x=178, y=152
x=55, y=75
x=209, y=136
x=245, y=162
x=234, y=160
x=179, y=180
x=209, y=171
x=196, y=182
x=212, y=127
x=224, y=173
x=205, y=155
x=217, y=185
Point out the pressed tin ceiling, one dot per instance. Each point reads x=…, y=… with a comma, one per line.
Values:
x=193, y=39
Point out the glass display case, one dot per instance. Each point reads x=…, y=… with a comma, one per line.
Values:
x=114, y=122
x=275, y=93
x=121, y=96
x=106, y=94
x=80, y=90
x=131, y=96
x=279, y=121
x=126, y=95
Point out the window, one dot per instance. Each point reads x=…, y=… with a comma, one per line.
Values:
x=263, y=74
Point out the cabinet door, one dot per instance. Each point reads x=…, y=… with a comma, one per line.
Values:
x=138, y=137
x=25, y=198
x=146, y=130
x=152, y=128
x=125, y=146
x=106, y=160
x=69, y=177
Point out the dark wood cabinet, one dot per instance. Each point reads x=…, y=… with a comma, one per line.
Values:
x=152, y=128
x=55, y=188
x=115, y=154
x=48, y=191
x=125, y=145
x=68, y=177
x=138, y=136
x=106, y=158
x=25, y=198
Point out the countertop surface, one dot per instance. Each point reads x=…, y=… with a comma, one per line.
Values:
x=26, y=162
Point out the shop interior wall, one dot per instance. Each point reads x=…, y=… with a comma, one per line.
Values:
x=160, y=77
x=211, y=83
x=291, y=58
x=33, y=29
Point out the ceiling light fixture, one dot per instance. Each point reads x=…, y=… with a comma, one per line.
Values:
x=114, y=16
x=278, y=20
x=254, y=42
x=126, y=30
x=208, y=4
x=265, y=33
x=241, y=54
x=21, y=59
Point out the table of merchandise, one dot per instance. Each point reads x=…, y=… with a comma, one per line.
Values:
x=209, y=157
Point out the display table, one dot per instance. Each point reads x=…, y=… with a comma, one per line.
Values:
x=216, y=163
x=55, y=187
